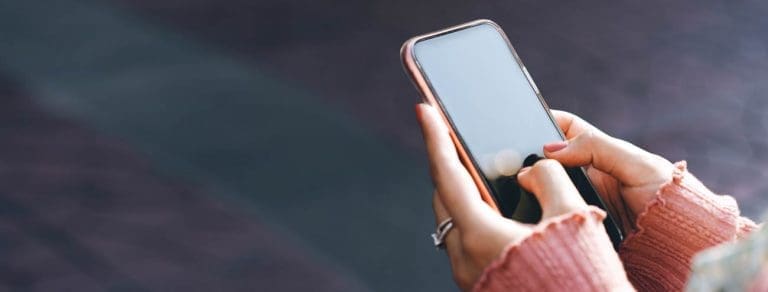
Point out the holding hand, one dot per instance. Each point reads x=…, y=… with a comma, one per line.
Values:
x=480, y=234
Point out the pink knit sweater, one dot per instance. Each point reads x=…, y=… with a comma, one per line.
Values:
x=572, y=252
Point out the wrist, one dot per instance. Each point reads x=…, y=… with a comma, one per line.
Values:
x=683, y=219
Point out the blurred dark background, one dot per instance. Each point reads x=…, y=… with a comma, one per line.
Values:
x=271, y=146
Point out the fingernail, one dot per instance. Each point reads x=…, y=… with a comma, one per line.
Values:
x=555, y=146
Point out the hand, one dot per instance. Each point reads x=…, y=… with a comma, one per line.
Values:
x=480, y=234
x=626, y=177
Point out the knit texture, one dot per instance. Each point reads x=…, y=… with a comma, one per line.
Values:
x=682, y=220
x=571, y=251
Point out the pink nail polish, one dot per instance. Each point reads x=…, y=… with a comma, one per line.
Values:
x=555, y=146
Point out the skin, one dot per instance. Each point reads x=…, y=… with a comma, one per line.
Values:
x=626, y=176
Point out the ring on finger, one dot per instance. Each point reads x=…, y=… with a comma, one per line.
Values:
x=438, y=238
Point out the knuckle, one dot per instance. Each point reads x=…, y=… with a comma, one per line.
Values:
x=590, y=137
x=591, y=134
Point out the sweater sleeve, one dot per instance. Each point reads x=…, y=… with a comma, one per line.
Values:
x=568, y=252
x=682, y=220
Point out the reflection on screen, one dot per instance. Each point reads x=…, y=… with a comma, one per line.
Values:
x=490, y=102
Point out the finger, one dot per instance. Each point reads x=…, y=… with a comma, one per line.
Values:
x=549, y=182
x=452, y=243
x=454, y=185
x=571, y=125
x=620, y=159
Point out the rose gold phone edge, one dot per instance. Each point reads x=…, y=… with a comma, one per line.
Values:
x=413, y=68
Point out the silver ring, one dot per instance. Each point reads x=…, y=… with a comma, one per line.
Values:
x=438, y=238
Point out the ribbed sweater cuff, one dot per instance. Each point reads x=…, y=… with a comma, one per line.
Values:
x=571, y=251
x=682, y=220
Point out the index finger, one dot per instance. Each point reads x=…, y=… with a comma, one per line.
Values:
x=455, y=186
x=549, y=182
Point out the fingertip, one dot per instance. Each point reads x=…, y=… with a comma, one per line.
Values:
x=427, y=115
x=429, y=124
x=417, y=109
x=570, y=153
x=559, y=113
x=420, y=109
x=548, y=166
x=546, y=178
x=551, y=155
x=523, y=178
x=424, y=107
x=563, y=118
x=420, y=106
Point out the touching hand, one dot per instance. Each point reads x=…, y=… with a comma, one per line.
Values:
x=626, y=176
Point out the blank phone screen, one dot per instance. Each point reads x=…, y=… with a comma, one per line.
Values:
x=492, y=106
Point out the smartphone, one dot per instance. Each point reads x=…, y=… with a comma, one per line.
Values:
x=498, y=119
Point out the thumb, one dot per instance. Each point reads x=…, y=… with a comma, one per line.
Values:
x=624, y=161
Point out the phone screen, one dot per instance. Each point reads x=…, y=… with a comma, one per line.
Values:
x=495, y=111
